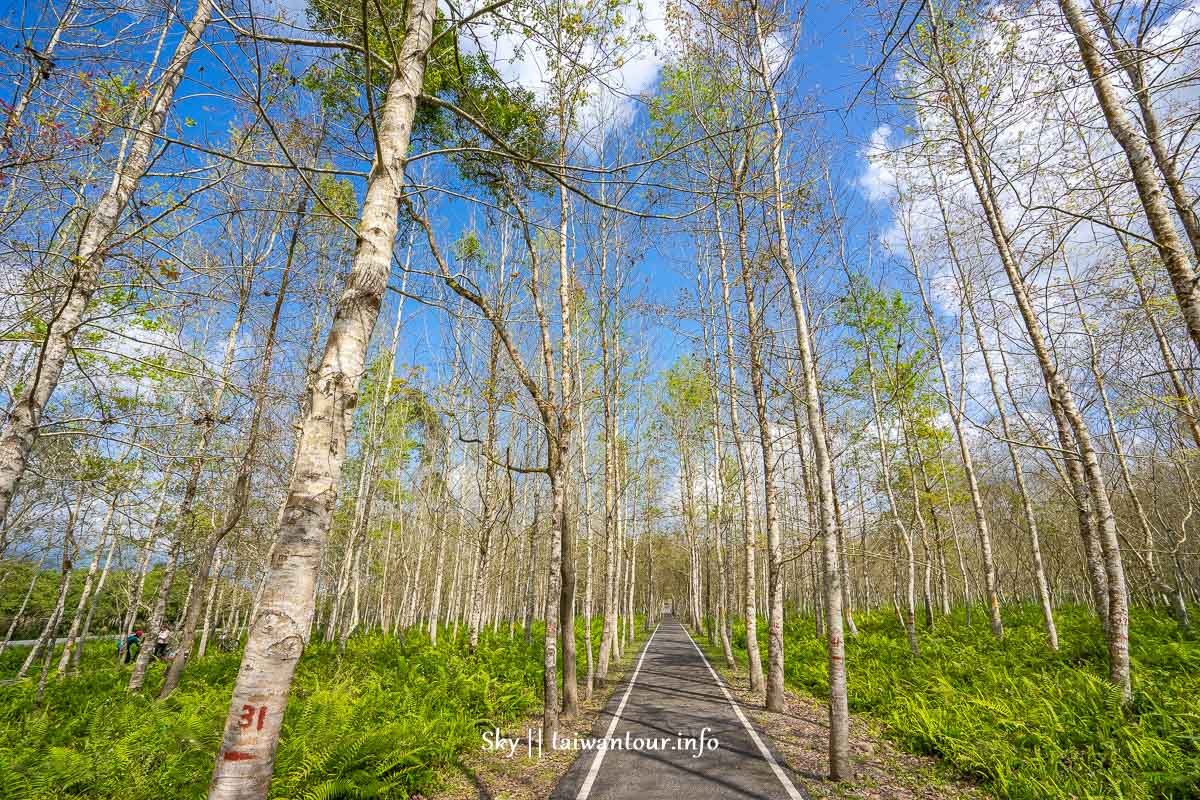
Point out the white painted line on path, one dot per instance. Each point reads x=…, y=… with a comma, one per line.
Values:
x=586, y=789
x=762, y=748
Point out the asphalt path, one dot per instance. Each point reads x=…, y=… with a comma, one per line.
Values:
x=673, y=730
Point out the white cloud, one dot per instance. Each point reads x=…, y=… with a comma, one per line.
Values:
x=618, y=77
x=878, y=179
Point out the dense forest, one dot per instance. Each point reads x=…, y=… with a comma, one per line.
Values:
x=389, y=370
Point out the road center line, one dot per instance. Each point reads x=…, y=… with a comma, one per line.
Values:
x=586, y=789
x=762, y=748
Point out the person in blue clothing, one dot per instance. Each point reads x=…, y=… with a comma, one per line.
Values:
x=131, y=645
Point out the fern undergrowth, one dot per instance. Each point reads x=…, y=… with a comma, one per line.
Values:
x=1029, y=723
x=384, y=720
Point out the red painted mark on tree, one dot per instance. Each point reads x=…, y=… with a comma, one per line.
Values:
x=233, y=755
x=246, y=718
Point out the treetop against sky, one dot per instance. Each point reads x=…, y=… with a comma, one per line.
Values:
x=407, y=316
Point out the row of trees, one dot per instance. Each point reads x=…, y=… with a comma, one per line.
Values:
x=960, y=409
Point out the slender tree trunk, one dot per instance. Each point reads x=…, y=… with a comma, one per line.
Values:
x=922, y=528
x=19, y=433
x=611, y=376
x=753, y=655
x=774, y=686
x=412, y=604
x=1014, y=455
x=95, y=601
x=277, y=633
x=958, y=551
x=724, y=601
x=338, y=625
x=619, y=481
x=240, y=490
x=529, y=578
x=903, y=534
x=839, y=715
x=1144, y=525
x=48, y=634
x=139, y=586
x=964, y=448
x=550, y=707
x=487, y=512
x=157, y=616
x=85, y=595
x=564, y=420
x=12, y=626
x=385, y=595
x=843, y=551
x=631, y=573
x=1118, y=611
x=585, y=484
x=213, y=600
x=439, y=569
x=570, y=694
x=687, y=503
x=1174, y=253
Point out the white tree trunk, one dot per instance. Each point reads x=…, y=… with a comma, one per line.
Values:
x=1175, y=255
x=1117, y=600
x=25, y=416
x=439, y=569
x=85, y=595
x=139, y=586
x=47, y=636
x=964, y=447
x=1019, y=474
x=277, y=633
x=753, y=656
x=212, y=601
x=37, y=571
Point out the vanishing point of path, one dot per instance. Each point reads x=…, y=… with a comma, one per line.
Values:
x=670, y=698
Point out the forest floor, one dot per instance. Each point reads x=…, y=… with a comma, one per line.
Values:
x=800, y=734
x=526, y=773
x=972, y=717
x=388, y=718
x=978, y=716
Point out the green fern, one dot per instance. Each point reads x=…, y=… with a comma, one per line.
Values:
x=385, y=721
x=1032, y=724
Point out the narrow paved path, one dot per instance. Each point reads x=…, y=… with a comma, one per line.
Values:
x=653, y=727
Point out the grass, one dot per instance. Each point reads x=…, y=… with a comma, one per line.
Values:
x=1029, y=723
x=385, y=720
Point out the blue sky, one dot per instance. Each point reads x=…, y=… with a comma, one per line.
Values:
x=828, y=67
